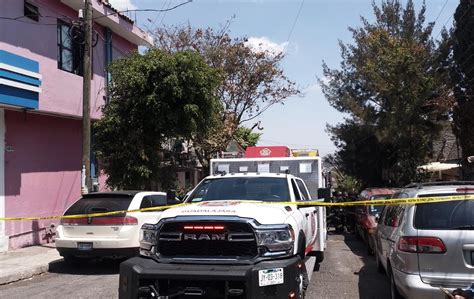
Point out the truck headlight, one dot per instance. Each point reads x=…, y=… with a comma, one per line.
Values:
x=281, y=239
x=148, y=238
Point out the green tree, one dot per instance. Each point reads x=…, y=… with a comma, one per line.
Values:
x=462, y=74
x=389, y=87
x=360, y=154
x=154, y=97
x=245, y=137
x=253, y=80
x=344, y=182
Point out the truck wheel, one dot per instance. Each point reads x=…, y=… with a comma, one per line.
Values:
x=319, y=256
x=303, y=282
x=302, y=247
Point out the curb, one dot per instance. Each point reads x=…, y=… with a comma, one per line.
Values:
x=23, y=275
x=26, y=263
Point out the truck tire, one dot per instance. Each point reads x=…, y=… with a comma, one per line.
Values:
x=302, y=246
x=319, y=256
x=303, y=282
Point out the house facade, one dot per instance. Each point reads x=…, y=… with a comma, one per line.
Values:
x=41, y=106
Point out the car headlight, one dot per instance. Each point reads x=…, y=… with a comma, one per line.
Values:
x=148, y=238
x=276, y=239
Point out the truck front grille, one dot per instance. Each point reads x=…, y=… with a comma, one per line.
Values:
x=203, y=240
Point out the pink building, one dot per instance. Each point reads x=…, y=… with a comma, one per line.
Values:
x=41, y=106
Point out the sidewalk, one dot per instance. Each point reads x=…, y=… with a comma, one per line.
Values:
x=26, y=262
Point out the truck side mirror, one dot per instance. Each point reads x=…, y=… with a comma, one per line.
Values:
x=171, y=196
x=324, y=193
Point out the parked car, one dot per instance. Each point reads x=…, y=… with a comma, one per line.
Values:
x=114, y=235
x=423, y=247
x=366, y=216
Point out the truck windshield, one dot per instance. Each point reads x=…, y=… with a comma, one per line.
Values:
x=239, y=188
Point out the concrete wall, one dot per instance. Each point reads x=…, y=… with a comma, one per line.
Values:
x=3, y=236
x=42, y=167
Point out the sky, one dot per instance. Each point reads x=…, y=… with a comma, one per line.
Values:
x=308, y=38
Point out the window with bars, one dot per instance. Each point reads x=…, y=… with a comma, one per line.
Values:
x=70, y=50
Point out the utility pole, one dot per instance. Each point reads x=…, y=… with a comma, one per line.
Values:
x=86, y=97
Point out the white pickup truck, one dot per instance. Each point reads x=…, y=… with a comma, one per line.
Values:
x=241, y=236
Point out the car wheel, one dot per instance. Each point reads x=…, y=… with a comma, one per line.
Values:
x=394, y=294
x=380, y=268
x=370, y=245
x=339, y=228
x=71, y=259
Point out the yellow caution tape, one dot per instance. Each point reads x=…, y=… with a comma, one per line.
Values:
x=90, y=215
x=375, y=202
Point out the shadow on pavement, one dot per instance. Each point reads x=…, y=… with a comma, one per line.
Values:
x=86, y=267
x=372, y=284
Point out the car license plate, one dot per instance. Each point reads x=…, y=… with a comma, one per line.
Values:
x=84, y=246
x=270, y=277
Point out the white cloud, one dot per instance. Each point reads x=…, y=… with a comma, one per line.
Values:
x=264, y=44
x=123, y=4
x=316, y=86
x=312, y=88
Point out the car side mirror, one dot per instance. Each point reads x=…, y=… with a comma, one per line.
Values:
x=324, y=193
x=186, y=196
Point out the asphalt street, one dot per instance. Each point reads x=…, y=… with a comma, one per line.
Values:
x=94, y=279
x=347, y=272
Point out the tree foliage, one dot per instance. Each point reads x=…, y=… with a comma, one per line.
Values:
x=252, y=82
x=154, y=97
x=389, y=86
x=245, y=137
x=462, y=78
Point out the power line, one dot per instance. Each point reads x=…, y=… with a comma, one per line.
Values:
x=144, y=10
x=54, y=10
x=450, y=17
x=444, y=26
x=164, y=14
x=19, y=18
x=439, y=14
x=153, y=23
x=295, y=21
x=437, y=17
x=115, y=48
